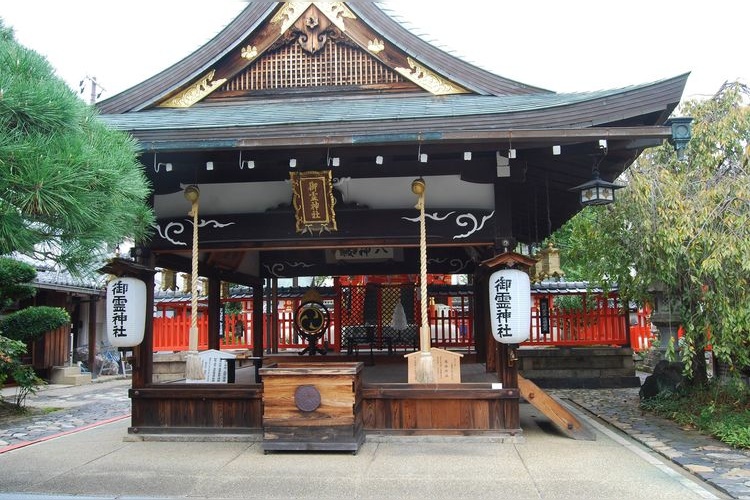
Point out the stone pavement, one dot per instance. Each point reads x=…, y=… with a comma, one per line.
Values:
x=722, y=467
x=716, y=463
x=64, y=408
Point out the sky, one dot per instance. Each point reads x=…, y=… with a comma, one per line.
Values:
x=564, y=46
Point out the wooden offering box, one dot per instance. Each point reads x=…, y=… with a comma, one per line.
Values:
x=312, y=406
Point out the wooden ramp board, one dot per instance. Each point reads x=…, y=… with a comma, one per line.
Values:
x=555, y=411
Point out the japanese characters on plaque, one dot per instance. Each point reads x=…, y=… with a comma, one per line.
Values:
x=544, y=316
x=364, y=253
x=313, y=201
x=510, y=305
x=126, y=312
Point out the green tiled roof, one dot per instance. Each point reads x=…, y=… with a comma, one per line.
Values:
x=336, y=110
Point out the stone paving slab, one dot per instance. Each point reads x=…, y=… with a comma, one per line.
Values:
x=718, y=464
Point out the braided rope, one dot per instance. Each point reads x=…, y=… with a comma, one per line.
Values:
x=424, y=330
x=194, y=283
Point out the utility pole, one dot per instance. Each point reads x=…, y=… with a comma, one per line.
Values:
x=96, y=89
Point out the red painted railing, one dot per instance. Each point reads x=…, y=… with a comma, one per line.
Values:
x=641, y=336
x=451, y=327
x=171, y=334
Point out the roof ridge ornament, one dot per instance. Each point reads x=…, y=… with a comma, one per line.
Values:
x=290, y=13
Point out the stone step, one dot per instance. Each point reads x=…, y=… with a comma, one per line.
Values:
x=69, y=375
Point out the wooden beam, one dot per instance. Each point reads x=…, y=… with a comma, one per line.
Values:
x=563, y=419
x=248, y=140
x=182, y=264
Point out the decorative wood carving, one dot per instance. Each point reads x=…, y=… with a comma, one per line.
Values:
x=312, y=30
x=250, y=52
x=195, y=92
x=336, y=12
x=376, y=46
x=429, y=80
x=289, y=13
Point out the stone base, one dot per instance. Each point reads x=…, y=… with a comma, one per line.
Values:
x=579, y=367
x=69, y=375
x=168, y=367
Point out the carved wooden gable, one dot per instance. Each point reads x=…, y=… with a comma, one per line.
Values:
x=336, y=63
x=308, y=46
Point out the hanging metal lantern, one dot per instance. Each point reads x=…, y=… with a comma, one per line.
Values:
x=597, y=191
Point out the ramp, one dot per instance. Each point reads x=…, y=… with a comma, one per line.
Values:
x=555, y=411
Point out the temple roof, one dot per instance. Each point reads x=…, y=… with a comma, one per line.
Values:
x=368, y=15
x=295, y=85
x=636, y=105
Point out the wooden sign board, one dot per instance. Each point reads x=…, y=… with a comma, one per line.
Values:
x=446, y=366
x=313, y=201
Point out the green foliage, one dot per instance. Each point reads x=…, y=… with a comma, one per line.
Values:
x=670, y=354
x=232, y=307
x=684, y=226
x=575, y=303
x=15, y=279
x=68, y=184
x=11, y=352
x=31, y=323
x=721, y=409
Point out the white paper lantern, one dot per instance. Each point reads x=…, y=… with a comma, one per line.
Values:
x=510, y=305
x=126, y=311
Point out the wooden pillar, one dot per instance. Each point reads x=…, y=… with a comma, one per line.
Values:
x=507, y=366
x=273, y=343
x=258, y=320
x=337, y=315
x=93, y=302
x=143, y=354
x=214, y=313
x=504, y=240
x=481, y=316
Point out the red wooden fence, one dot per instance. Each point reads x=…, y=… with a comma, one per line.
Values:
x=451, y=326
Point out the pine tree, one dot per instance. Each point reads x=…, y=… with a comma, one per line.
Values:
x=69, y=185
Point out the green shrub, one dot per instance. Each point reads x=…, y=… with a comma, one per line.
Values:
x=31, y=323
x=15, y=277
x=11, y=366
x=721, y=409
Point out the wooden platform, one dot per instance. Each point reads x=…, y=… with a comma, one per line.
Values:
x=378, y=403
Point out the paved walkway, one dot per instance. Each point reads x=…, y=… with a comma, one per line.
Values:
x=714, y=462
x=721, y=467
x=64, y=409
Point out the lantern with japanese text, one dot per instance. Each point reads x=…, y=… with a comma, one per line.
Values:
x=510, y=305
x=126, y=311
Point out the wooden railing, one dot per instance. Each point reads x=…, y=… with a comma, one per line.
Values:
x=171, y=334
x=567, y=328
